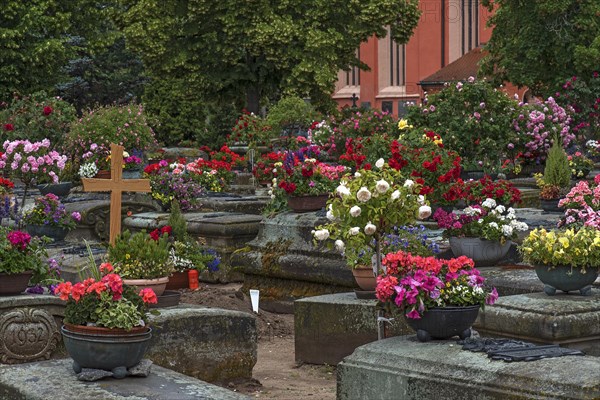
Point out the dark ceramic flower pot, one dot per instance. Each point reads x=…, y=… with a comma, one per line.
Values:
x=53, y=232
x=444, y=323
x=302, y=204
x=550, y=205
x=484, y=253
x=12, y=284
x=60, y=189
x=106, y=351
x=566, y=278
x=132, y=174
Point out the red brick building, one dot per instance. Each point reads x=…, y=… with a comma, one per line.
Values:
x=444, y=47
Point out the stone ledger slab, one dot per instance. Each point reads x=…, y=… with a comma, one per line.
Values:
x=566, y=319
x=402, y=368
x=56, y=380
x=211, y=344
x=330, y=327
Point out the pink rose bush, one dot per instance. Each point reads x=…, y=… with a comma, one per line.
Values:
x=416, y=284
x=30, y=162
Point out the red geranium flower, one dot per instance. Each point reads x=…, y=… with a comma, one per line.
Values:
x=47, y=110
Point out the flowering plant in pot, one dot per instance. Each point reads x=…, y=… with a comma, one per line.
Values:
x=177, y=184
x=226, y=155
x=582, y=205
x=564, y=259
x=366, y=207
x=22, y=261
x=142, y=259
x=48, y=217
x=102, y=307
x=580, y=165
x=94, y=160
x=476, y=191
x=426, y=287
x=265, y=169
x=556, y=180
x=482, y=232
x=219, y=171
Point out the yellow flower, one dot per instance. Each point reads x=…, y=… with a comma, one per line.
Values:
x=127, y=256
x=564, y=241
x=403, y=124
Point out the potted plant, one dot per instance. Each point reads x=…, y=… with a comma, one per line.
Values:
x=22, y=259
x=481, y=232
x=105, y=325
x=580, y=165
x=581, y=205
x=556, y=180
x=564, y=260
x=132, y=166
x=366, y=207
x=49, y=218
x=177, y=183
x=440, y=298
x=142, y=260
x=308, y=183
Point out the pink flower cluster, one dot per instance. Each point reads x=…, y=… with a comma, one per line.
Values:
x=450, y=220
x=541, y=124
x=332, y=172
x=27, y=159
x=18, y=239
x=582, y=205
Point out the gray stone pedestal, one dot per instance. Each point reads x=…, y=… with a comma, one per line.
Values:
x=566, y=319
x=329, y=327
x=56, y=380
x=402, y=368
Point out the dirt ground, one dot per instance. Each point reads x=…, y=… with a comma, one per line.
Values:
x=275, y=375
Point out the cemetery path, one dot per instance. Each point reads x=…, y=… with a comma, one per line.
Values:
x=276, y=370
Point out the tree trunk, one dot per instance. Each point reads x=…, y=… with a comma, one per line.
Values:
x=253, y=99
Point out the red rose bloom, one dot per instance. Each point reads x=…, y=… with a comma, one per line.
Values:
x=47, y=110
x=9, y=127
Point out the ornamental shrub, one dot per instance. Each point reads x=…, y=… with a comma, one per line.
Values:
x=472, y=117
x=139, y=256
x=291, y=112
x=36, y=117
x=583, y=95
x=557, y=171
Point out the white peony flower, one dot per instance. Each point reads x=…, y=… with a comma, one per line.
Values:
x=424, y=212
x=395, y=195
x=339, y=245
x=363, y=194
x=408, y=183
x=322, y=234
x=370, y=228
x=489, y=203
x=354, y=231
x=379, y=163
x=355, y=211
x=343, y=190
x=382, y=186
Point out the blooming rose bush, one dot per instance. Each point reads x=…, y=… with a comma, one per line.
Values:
x=487, y=221
x=368, y=204
x=105, y=301
x=416, y=284
x=476, y=191
x=576, y=248
x=308, y=176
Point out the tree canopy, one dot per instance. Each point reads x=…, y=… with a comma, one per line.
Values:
x=540, y=43
x=253, y=49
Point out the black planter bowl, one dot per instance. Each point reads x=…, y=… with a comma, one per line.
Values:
x=444, y=323
x=60, y=189
x=566, y=279
x=113, y=353
x=53, y=232
x=550, y=206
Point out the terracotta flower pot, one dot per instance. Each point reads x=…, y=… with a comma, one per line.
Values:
x=13, y=284
x=364, y=278
x=300, y=204
x=103, y=174
x=179, y=280
x=158, y=285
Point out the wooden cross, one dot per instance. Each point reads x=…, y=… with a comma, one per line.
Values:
x=116, y=186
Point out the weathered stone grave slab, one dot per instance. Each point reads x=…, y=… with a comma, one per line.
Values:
x=30, y=328
x=222, y=231
x=284, y=265
x=211, y=344
x=56, y=380
x=235, y=203
x=402, y=368
x=189, y=153
x=330, y=327
x=566, y=319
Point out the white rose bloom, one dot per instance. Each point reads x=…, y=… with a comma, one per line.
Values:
x=421, y=200
x=354, y=231
x=330, y=215
x=272, y=196
x=363, y=194
x=382, y=186
x=339, y=245
x=408, y=183
x=395, y=195
x=355, y=211
x=357, y=174
x=507, y=230
x=424, y=212
x=489, y=203
x=322, y=234
x=370, y=228
x=379, y=163
x=274, y=181
x=343, y=190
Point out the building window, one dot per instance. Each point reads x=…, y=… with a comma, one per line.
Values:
x=353, y=75
x=392, y=65
x=463, y=26
x=397, y=64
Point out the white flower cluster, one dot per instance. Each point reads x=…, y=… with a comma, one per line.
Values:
x=489, y=203
x=508, y=218
x=88, y=170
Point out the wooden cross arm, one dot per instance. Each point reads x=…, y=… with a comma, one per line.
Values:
x=107, y=185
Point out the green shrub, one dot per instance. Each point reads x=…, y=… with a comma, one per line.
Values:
x=138, y=256
x=557, y=171
x=291, y=112
x=37, y=117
